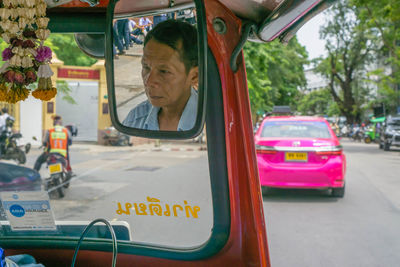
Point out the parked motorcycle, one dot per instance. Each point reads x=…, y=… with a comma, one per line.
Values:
x=12, y=145
x=59, y=177
x=357, y=133
x=115, y=138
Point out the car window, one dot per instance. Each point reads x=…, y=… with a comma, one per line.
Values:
x=394, y=123
x=307, y=129
x=159, y=189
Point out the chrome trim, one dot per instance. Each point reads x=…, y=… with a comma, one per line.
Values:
x=265, y=147
x=158, y=11
x=309, y=149
x=301, y=149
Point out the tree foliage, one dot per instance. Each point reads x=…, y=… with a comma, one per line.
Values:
x=318, y=102
x=274, y=74
x=350, y=45
x=66, y=49
x=383, y=18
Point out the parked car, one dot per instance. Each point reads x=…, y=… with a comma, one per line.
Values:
x=18, y=178
x=300, y=152
x=390, y=133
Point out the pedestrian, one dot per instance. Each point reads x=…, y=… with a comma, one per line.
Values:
x=190, y=16
x=123, y=32
x=145, y=24
x=117, y=42
x=132, y=31
x=3, y=118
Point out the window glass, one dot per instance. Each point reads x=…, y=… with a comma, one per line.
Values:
x=308, y=129
x=159, y=190
x=394, y=122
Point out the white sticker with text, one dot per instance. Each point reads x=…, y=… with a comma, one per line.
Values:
x=28, y=210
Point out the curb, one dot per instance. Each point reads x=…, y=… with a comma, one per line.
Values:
x=178, y=149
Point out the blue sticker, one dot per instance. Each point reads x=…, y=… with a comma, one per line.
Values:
x=17, y=210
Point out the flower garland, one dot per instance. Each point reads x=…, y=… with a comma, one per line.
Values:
x=23, y=26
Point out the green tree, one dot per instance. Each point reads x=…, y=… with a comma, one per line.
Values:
x=66, y=49
x=318, y=102
x=383, y=17
x=350, y=45
x=274, y=74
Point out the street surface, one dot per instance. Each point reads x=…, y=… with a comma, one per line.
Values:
x=305, y=228
x=309, y=228
x=109, y=175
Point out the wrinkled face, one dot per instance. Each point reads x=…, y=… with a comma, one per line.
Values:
x=165, y=79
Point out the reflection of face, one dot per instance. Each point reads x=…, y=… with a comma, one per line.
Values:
x=165, y=79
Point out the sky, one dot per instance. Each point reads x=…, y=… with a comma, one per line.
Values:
x=308, y=36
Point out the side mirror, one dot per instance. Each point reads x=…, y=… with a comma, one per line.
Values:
x=72, y=129
x=91, y=44
x=156, y=73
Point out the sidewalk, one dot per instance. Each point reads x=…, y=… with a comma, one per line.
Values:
x=165, y=145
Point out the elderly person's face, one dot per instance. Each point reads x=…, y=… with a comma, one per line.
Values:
x=166, y=81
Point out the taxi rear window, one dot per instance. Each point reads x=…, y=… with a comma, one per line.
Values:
x=295, y=129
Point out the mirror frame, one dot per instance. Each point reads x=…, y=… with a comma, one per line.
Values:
x=202, y=54
x=293, y=12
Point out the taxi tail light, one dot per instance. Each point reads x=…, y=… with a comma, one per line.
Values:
x=265, y=149
x=334, y=151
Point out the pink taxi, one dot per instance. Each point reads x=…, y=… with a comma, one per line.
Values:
x=300, y=152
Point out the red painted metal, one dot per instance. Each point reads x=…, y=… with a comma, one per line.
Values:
x=248, y=233
x=126, y=6
x=78, y=3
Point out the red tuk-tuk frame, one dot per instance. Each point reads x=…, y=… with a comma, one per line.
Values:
x=230, y=147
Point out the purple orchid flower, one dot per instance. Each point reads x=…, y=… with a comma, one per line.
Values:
x=7, y=54
x=43, y=53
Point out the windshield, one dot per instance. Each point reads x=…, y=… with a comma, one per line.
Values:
x=159, y=191
x=295, y=129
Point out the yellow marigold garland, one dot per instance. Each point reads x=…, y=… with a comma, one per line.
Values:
x=44, y=91
x=3, y=93
x=23, y=26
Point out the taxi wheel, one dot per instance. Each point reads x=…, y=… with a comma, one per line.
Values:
x=338, y=192
x=380, y=145
x=386, y=146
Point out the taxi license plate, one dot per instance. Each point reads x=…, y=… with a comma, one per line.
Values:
x=296, y=156
x=55, y=168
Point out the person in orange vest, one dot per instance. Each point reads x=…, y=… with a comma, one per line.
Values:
x=57, y=140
